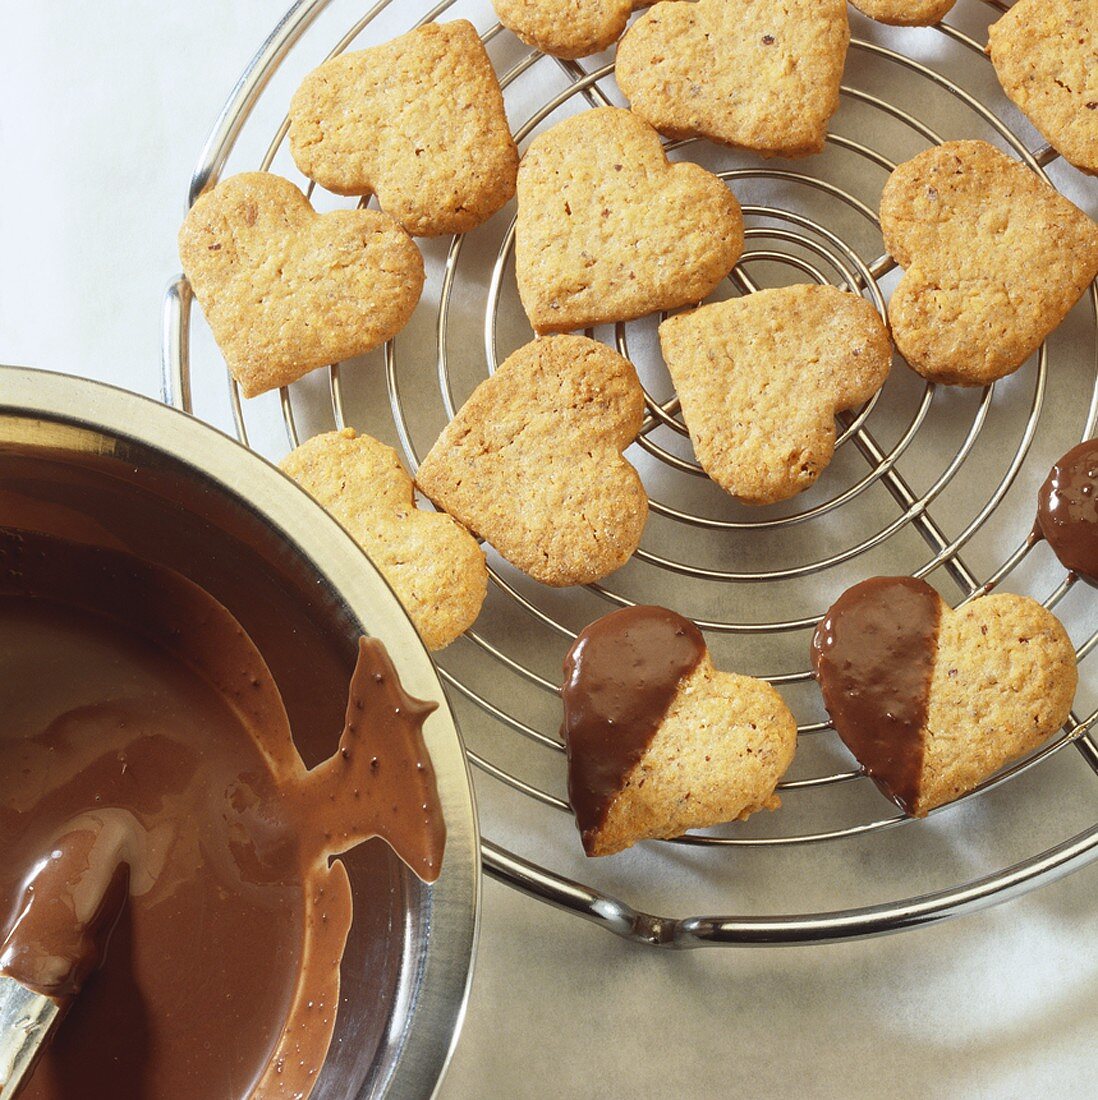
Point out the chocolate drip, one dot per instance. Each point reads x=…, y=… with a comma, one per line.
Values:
x=145, y=740
x=380, y=783
x=1067, y=510
x=620, y=677
x=873, y=655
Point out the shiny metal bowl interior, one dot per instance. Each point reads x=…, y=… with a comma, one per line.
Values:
x=930, y=481
x=179, y=493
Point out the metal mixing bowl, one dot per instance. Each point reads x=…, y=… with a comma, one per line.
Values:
x=135, y=473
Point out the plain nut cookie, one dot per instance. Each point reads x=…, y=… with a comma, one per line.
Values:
x=533, y=461
x=609, y=230
x=286, y=290
x=761, y=378
x=567, y=28
x=434, y=565
x=1046, y=55
x=905, y=13
x=418, y=121
x=994, y=258
x=758, y=74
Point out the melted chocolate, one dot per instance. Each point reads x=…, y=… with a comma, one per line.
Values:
x=1067, y=510
x=873, y=655
x=72, y=901
x=620, y=677
x=144, y=731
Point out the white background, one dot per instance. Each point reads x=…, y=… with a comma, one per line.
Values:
x=103, y=107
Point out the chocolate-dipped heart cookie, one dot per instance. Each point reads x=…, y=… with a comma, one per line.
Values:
x=286, y=290
x=609, y=230
x=933, y=701
x=658, y=740
x=532, y=462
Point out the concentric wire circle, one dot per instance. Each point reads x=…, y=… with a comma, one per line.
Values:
x=755, y=580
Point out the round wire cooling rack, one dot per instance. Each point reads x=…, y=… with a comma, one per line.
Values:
x=936, y=483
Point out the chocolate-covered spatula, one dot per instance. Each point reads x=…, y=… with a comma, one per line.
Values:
x=71, y=903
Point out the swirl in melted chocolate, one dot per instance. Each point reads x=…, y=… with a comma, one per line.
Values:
x=620, y=677
x=1067, y=510
x=146, y=758
x=873, y=654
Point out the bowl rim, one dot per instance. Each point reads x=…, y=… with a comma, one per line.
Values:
x=421, y=1052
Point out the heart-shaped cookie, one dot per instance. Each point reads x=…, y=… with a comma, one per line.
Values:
x=609, y=230
x=994, y=260
x=434, y=565
x=532, y=462
x=761, y=378
x=658, y=740
x=419, y=122
x=758, y=74
x=1046, y=55
x=567, y=28
x=286, y=290
x=933, y=701
x=905, y=13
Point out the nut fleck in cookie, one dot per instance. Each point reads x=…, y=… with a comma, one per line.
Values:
x=609, y=230
x=532, y=462
x=434, y=565
x=759, y=74
x=1046, y=55
x=761, y=378
x=905, y=13
x=286, y=290
x=933, y=701
x=418, y=121
x=567, y=28
x=994, y=260
x=658, y=740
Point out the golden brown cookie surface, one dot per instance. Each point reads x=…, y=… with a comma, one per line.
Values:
x=286, y=290
x=609, y=230
x=994, y=258
x=434, y=565
x=905, y=13
x=759, y=74
x=761, y=378
x=933, y=701
x=658, y=740
x=1046, y=55
x=418, y=121
x=567, y=28
x=532, y=462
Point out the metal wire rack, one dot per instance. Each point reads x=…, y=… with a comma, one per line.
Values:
x=917, y=471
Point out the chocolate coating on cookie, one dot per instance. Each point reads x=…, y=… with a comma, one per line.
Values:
x=620, y=678
x=873, y=654
x=1067, y=510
